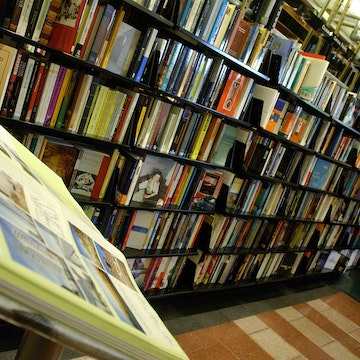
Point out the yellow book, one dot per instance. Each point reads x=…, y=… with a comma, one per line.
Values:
x=230, y=9
x=200, y=136
x=105, y=115
x=97, y=109
x=115, y=114
x=60, y=98
x=261, y=40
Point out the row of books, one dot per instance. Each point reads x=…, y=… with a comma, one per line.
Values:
x=54, y=95
x=157, y=273
x=336, y=99
x=296, y=124
x=153, y=181
x=127, y=178
x=202, y=79
x=223, y=25
x=266, y=157
x=258, y=197
x=155, y=230
x=163, y=273
x=84, y=170
x=57, y=96
x=230, y=269
x=254, y=233
x=64, y=98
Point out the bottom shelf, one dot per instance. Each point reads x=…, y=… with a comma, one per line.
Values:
x=160, y=276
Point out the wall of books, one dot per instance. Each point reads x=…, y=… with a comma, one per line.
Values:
x=215, y=142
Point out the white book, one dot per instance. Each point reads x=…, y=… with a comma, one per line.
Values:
x=269, y=97
x=24, y=17
x=46, y=94
x=148, y=123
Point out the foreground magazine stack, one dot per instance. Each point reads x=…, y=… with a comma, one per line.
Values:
x=59, y=267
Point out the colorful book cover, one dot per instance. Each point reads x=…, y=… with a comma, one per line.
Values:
x=231, y=93
x=153, y=180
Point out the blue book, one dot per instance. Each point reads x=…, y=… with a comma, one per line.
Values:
x=145, y=56
x=217, y=22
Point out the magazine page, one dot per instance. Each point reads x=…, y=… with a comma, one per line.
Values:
x=54, y=260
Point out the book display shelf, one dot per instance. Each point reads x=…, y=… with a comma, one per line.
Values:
x=216, y=143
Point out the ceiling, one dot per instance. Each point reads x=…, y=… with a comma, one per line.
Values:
x=342, y=17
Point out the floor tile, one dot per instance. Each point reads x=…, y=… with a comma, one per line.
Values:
x=312, y=331
x=338, y=351
x=274, y=345
x=250, y=324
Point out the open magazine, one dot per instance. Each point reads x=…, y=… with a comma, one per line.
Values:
x=55, y=261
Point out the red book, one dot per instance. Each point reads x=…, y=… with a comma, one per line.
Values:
x=65, y=27
x=100, y=177
x=231, y=93
x=54, y=10
x=238, y=37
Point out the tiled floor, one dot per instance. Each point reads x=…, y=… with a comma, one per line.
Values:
x=325, y=328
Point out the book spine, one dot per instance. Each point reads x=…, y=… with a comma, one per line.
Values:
x=16, y=14
x=146, y=55
x=53, y=11
x=28, y=75
x=54, y=95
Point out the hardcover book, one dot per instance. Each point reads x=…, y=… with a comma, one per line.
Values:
x=65, y=26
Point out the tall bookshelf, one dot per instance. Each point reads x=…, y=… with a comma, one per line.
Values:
x=255, y=223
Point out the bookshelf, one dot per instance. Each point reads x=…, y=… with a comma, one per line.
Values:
x=204, y=105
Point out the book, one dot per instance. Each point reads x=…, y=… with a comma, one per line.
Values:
x=66, y=25
x=59, y=156
x=223, y=144
x=12, y=87
x=224, y=25
x=46, y=93
x=122, y=51
x=14, y=21
x=289, y=121
x=231, y=93
x=269, y=97
x=90, y=167
x=238, y=37
x=207, y=191
x=101, y=301
x=24, y=17
x=28, y=74
x=139, y=67
x=7, y=59
x=39, y=21
x=153, y=180
x=282, y=47
x=103, y=29
x=313, y=77
x=91, y=10
x=128, y=178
